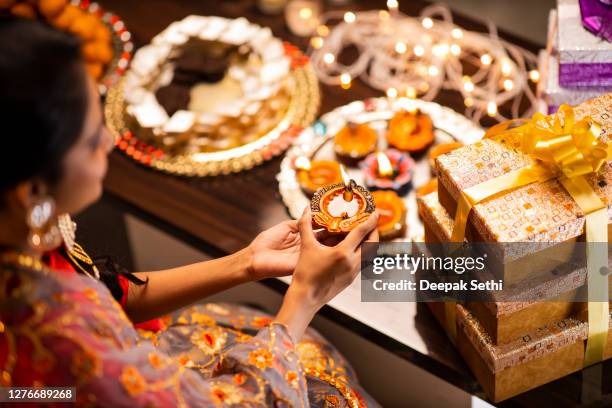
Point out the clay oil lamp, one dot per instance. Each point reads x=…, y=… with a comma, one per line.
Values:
x=354, y=142
x=410, y=131
x=392, y=215
x=341, y=207
x=314, y=174
x=390, y=170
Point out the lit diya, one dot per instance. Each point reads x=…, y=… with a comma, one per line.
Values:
x=314, y=174
x=354, y=142
x=341, y=207
x=391, y=214
x=388, y=171
x=439, y=150
x=410, y=131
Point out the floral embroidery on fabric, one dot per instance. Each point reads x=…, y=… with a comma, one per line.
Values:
x=261, y=358
x=132, y=381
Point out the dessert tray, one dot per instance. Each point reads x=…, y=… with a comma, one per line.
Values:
x=317, y=143
x=211, y=96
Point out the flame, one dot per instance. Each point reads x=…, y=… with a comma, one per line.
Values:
x=345, y=178
x=385, y=169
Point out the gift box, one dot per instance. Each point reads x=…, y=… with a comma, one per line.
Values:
x=584, y=58
x=539, y=357
x=553, y=94
x=507, y=320
x=549, y=90
x=541, y=214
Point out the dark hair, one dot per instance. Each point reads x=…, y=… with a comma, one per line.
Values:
x=43, y=99
x=43, y=104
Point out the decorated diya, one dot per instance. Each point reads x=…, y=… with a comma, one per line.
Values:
x=341, y=207
x=354, y=142
x=390, y=170
x=392, y=214
x=439, y=150
x=410, y=131
x=314, y=174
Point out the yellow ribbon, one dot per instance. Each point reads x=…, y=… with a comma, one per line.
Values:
x=565, y=149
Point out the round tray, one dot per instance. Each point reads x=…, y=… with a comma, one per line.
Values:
x=449, y=126
x=121, y=42
x=302, y=110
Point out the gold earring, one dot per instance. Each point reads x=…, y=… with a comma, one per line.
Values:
x=44, y=234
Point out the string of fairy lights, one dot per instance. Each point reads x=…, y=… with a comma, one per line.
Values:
x=416, y=57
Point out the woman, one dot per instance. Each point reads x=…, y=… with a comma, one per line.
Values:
x=61, y=326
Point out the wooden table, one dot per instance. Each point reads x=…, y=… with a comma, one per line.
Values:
x=223, y=214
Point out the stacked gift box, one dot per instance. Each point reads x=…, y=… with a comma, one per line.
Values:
x=518, y=341
x=577, y=63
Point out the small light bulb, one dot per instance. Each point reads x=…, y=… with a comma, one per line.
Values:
x=392, y=93
x=457, y=33
x=455, y=49
x=534, y=75
x=350, y=17
x=424, y=87
x=305, y=13
x=323, y=30
x=392, y=4
x=468, y=86
x=508, y=84
x=486, y=59
x=468, y=102
x=411, y=92
x=345, y=80
x=491, y=108
x=329, y=58
x=418, y=50
x=316, y=42
x=427, y=23
x=440, y=50
x=433, y=70
x=400, y=47
x=506, y=68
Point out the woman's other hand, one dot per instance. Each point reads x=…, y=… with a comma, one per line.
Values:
x=322, y=272
x=275, y=251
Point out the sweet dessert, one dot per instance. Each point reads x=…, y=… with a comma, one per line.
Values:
x=390, y=170
x=354, y=142
x=392, y=214
x=439, y=150
x=410, y=131
x=97, y=45
x=208, y=84
x=341, y=207
x=314, y=174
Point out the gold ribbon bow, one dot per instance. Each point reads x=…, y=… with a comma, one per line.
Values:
x=565, y=149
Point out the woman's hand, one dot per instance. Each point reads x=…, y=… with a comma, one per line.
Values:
x=275, y=251
x=322, y=272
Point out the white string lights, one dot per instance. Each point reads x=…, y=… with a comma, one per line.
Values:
x=417, y=56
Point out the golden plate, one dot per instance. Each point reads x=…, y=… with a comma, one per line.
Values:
x=302, y=109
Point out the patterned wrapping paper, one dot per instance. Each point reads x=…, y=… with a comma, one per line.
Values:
x=539, y=213
x=585, y=59
x=534, y=345
x=547, y=286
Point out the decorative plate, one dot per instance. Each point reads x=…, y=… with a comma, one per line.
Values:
x=301, y=112
x=318, y=139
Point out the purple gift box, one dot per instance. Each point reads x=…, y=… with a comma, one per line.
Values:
x=554, y=95
x=585, y=59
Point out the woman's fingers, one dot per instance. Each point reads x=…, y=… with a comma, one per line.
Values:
x=305, y=227
x=354, y=238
